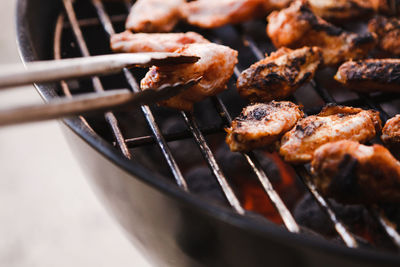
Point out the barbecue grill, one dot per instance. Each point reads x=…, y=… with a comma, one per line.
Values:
x=139, y=161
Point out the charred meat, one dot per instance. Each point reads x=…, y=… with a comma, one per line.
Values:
x=262, y=124
x=279, y=75
x=216, y=66
x=339, y=10
x=357, y=174
x=297, y=26
x=333, y=123
x=370, y=75
x=388, y=32
x=154, y=15
x=391, y=135
x=388, y=7
x=212, y=14
x=129, y=42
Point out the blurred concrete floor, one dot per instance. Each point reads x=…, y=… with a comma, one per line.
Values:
x=48, y=214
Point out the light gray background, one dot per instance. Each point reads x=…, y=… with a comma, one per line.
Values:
x=48, y=214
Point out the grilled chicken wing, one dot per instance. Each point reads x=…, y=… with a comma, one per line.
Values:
x=391, y=135
x=338, y=10
x=270, y=5
x=370, y=75
x=212, y=14
x=297, y=26
x=262, y=124
x=154, y=15
x=333, y=123
x=280, y=74
x=388, y=32
x=216, y=65
x=129, y=42
x=353, y=173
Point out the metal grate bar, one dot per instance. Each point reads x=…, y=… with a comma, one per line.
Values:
x=109, y=116
x=345, y=234
x=280, y=206
x=208, y=155
x=170, y=137
x=172, y=164
x=89, y=22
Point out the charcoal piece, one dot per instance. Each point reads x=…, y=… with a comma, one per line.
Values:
x=201, y=182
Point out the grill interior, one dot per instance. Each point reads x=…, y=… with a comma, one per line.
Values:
x=189, y=149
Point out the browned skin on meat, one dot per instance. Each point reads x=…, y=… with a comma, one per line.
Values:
x=262, y=124
x=388, y=32
x=212, y=14
x=270, y=5
x=215, y=65
x=333, y=123
x=356, y=174
x=154, y=15
x=297, y=26
x=370, y=75
x=388, y=7
x=129, y=42
x=339, y=10
x=279, y=75
x=391, y=135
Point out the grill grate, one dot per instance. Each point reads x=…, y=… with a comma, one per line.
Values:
x=197, y=133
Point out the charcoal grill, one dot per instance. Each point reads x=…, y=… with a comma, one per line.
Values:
x=130, y=162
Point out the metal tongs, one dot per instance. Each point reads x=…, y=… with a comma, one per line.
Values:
x=50, y=71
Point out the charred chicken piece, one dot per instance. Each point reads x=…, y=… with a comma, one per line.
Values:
x=154, y=15
x=128, y=42
x=388, y=7
x=262, y=124
x=333, y=123
x=388, y=32
x=215, y=65
x=391, y=135
x=212, y=14
x=356, y=174
x=297, y=26
x=279, y=75
x=339, y=10
x=370, y=75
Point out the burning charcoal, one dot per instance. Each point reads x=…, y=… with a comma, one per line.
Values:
x=234, y=165
x=307, y=213
x=185, y=151
x=201, y=181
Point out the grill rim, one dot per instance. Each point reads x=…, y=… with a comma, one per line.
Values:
x=135, y=170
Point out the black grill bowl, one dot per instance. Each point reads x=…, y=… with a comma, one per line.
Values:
x=171, y=227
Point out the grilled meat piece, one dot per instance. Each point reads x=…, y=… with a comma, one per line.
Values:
x=297, y=26
x=391, y=135
x=129, y=42
x=388, y=7
x=212, y=14
x=333, y=123
x=357, y=174
x=154, y=15
x=339, y=10
x=370, y=75
x=262, y=124
x=280, y=74
x=216, y=65
x=388, y=32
